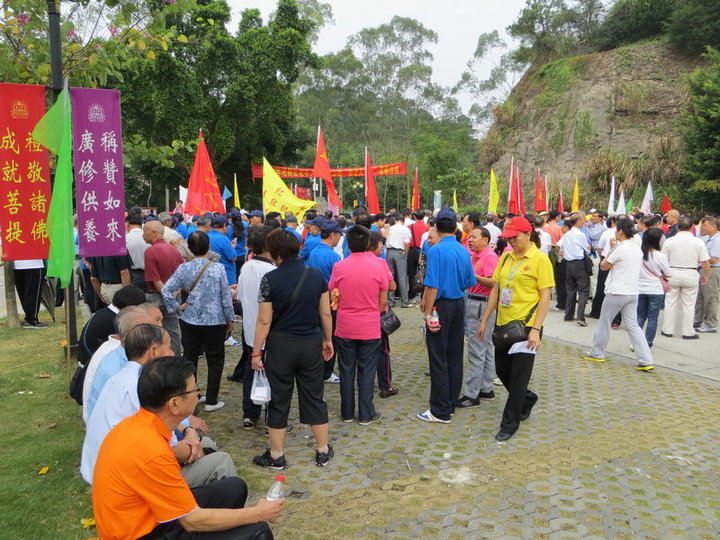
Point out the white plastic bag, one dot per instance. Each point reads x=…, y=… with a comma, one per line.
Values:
x=260, y=393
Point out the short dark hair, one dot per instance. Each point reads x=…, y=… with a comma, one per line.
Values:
x=141, y=338
x=203, y=221
x=375, y=240
x=484, y=232
x=378, y=217
x=130, y=295
x=135, y=219
x=273, y=215
x=419, y=215
x=685, y=223
x=538, y=222
x=310, y=215
x=445, y=227
x=553, y=215
x=282, y=244
x=256, y=239
x=474, y=218
x=162, y=378
x=365, y=220
x=198, y=243
x=273, y=223
x=627, y=226
x=358, y=239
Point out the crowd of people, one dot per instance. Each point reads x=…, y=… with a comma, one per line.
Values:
x=313, y=296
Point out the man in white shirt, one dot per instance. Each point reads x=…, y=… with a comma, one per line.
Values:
x=573, y=247
x=397, y=244
x=685, y=254
x=493, y=229
x=136, y=247
x=706, y=307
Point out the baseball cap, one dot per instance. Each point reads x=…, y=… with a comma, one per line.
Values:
x=516, y=225
x=318, y=221
x=291, y=219
x=235, y=214
x=256, y=213
x=544, y=213
x=219, y=221
x=446, y=214
x=330, y=225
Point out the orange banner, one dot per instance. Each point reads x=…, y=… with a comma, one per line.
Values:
x=24, y=174
x=300, y=172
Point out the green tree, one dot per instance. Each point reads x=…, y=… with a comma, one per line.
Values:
x=694, y=25
x=237, y=87
x=700, y=132
x=631, y=20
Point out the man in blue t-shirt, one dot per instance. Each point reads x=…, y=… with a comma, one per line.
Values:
x=220, y=244
x=449, y=272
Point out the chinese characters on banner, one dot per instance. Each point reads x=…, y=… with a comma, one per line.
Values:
x=24, y=174
x=99, y=185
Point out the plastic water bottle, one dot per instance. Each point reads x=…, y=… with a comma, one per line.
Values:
x=434, y=319
x=276, y=490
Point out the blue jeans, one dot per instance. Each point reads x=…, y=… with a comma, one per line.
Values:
x=649, y=306
x=357, y=357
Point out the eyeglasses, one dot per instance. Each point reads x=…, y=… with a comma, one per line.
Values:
x=195, y=391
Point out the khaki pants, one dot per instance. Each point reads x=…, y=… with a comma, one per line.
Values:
x=706, y=307
x=681, y=300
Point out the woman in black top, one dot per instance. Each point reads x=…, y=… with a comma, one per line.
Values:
x=295, y=329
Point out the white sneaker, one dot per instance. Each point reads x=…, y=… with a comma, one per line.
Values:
x=201, y=400
x=333, y=379
x=497, y=381
x=232, y=342
x=211, y=408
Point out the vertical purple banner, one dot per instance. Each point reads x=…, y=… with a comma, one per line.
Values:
x=99, y=185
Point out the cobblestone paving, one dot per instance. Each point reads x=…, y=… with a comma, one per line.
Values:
x=607, y=453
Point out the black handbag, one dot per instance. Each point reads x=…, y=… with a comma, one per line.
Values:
x=512, y=332
x=389, y=322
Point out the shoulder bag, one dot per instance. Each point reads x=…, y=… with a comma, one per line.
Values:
x=389, y=322
x=663, y=280
x=514, y=331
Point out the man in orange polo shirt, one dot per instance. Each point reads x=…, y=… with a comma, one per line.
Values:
x=137, y=487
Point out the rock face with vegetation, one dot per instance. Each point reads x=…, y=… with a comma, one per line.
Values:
x=611, y=113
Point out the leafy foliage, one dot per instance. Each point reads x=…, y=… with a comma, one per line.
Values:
x=700, y=132
x=631, y=20
x=694, y=25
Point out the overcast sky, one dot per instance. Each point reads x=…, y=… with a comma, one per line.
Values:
x=458, y=23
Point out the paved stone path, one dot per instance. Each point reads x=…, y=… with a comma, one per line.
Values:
x=607, y=453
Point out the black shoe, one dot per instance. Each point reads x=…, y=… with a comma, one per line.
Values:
x=389, y=392
x=405, y=305
x=465, y=402
x=487, y=395
x=666, y=335
x=234, y=378
x=322, y=458
x=34, y=326
x=266, y=460
x=377, y=416
x=527, y=409
x=249, y=423
x=503, y=436
x=694, y=336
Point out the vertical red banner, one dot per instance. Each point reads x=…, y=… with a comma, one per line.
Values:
x=99, y=179
x=24, y=174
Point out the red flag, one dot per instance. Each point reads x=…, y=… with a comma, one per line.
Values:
x=666, y=206
x=370, y=190
x=521, y=197
x=416, y=192
x=513, y=202
x=321, y=169
x=540, y=200
x=561, y=206
x=203, y=190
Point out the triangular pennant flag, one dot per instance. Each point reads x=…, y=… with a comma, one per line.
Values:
x=621, y=204
x=278, y=198
x=321, y=169
x=575, y=207
x=203, y=190
x=646, y=206
x=540, y=200
x=611, y=201
x=561, y=204
x=54, y=132
x=665, y=206
x=371, y=195
x=226, y=194
x=236, y=200
x=455, y=203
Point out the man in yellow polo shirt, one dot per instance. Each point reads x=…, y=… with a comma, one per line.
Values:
x=138, y=491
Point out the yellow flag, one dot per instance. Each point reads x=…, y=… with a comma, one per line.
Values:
x=575, y=206
x=236, y=200
x=494, y=193
x=455, y=204
x=278, y=198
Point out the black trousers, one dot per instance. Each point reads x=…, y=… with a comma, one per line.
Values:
x=210, y=339
x=514, y=371
x=413, y=261
x=229, y=492
x=384, y=369
x=358, y=359
x=560, y=269
x=445, y=353
x=93, y=301
x=577, y=284
x=28, y=283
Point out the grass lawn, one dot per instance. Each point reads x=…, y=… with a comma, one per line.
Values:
x=42, y=427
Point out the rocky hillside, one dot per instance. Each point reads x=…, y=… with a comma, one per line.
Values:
x=616, y=112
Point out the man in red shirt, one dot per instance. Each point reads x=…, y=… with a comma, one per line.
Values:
x=417, y=229
x=161, y=261
x=137, y=487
